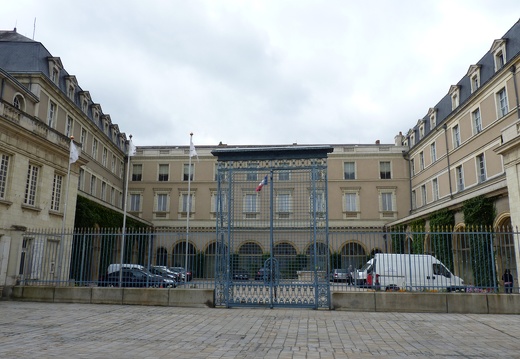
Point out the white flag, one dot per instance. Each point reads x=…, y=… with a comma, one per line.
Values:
x=74, y=153
x=193, y=151
x=131, y=149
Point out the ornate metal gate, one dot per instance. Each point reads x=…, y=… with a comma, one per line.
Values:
x=272, y=227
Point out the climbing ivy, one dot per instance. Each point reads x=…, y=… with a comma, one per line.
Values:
x=441, y=227
x=418, y=235
x=479, y=214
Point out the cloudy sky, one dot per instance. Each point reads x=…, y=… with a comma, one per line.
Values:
x=264, y=72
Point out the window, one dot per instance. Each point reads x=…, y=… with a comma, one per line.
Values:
x=481, y=167
x=412, y=166
x=412, y=140
x=103, y=190
x=162, y=202
x=56, y=192
x=164, y=171
x=135, y=202
x=54, y=76
x=321, y=205
x=423, y=194
x=19, y=102
x=4, y=168
x=454, y=101
x=70, y=93
x=251, y=176
x=421, y=131
x=349, y=170
x=83, y=137
x=113, y=164
x=137, y=172
x=477, y=123
x=475, y=83
x=250, y=203
x=93, y=185
x=502, y=103
x=283, y=202
x=31, y=185
x=456, y=136
x=433, y=152
x=187, y=200
x=105, y=157
x=112, y=196
x=460, y=178
x=81, y=180
x=499, y=60
x=350, y=202
x=385, y=170
x=435, y=189
x=432, y=112
x=386, y=201
x=414, y=199
x=421, y=160
x=51, y=117
x=94, y=148
x=69, y=127
x=284, y=175
x=188, y=173
x=217, y=202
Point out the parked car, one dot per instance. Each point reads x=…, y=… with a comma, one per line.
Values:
x=341, y=275
x=134, y=277
x=165, y=272
x=240, y=274
x=184, y=275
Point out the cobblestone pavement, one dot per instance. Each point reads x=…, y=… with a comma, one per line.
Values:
x=49, y=330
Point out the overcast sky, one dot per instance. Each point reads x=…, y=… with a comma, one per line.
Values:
x=264, y=72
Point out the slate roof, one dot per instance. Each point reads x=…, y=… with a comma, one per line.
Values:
x=487, y=71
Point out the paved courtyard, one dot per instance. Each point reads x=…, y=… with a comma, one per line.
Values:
x=49, y=330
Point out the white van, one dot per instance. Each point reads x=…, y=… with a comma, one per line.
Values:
x=407, y=271
x=115, y=267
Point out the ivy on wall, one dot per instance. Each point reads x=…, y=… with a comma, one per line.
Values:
x=441, y=227
x=418, y=235
x=90, y=214
x=479, y=214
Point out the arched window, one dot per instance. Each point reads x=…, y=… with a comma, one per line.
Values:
x=19, y=102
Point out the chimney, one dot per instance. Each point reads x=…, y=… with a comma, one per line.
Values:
x=378, y=142
x=399, y=139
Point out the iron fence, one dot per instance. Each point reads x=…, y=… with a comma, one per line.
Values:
x=479, y=257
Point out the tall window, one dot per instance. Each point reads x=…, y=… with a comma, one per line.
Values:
x=423, y=194
x=70, y=124
x=51, y=117
x=477, y=122
x=475, y=83
x=412, y=166
x=56, y=192
x=502, y=103
x=414, y=199
x=350, y=202
x=188, y=172
x=164, y=171
x=112, y=196
x=385, y=170
x=435, y=189
x=81, y=180
x=105, y=157
x=349, y=170
x=460, y=178
x=456, y=136
x=93, y=185
x=103, y=190
x=135, y=202
x=137, y=172
x=31, y=185
x=162, y=202
x=433, y=152
x=481, y=166
x=250, y=203
x=284, y=175
x=321, y=204
x=386, y=201
x=421, y=160
x=283, y=202
x=94, y=148
x=113, y=163
x=83, y=137
x=4, y=167
x=187, y=199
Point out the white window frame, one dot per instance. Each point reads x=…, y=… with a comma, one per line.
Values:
x=93, y=185
x=350, y=201
x=389, y=170
x=163, y=172
x=52, y=113
x=459, y=176
x=104, y=159
x=435, y=189
x=69, y=128
x=502, y=104
x=95, y=144
x=456, y=136
x=423, y=195
x=387, y=200
x=57, y=185
x=4, y=174
x=162, y=202
x=477, y=121
x=135, y=202
x=187, y=172
x=137, y=172
x=31, y=185
x=421, y=160
x=183, y=202
x=251, y=203
x=347, y=175
x=433, y=152
x=481, y=168
x=283, y=202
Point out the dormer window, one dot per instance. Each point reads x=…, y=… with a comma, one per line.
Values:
x=455, y=96
x=432, y=114
x=54, y=69
x=84, y=106
x=474, y=77
x=55, y=75
x=421, y=131
x=498, y=49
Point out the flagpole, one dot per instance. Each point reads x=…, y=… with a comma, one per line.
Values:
x=124, y=214
x=188, y=210
x=63, y=221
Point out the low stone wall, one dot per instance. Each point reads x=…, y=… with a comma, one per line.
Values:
x=410, y=302
x=177, y=297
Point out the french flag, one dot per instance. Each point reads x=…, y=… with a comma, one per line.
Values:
x=261, y=184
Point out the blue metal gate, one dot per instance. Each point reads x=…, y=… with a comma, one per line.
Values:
x=272, y=227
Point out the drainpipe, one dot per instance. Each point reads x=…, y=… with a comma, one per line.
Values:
x=513, y=71
x=3, y=84
x=445, y=127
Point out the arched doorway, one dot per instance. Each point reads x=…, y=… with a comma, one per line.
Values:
x=353, y=254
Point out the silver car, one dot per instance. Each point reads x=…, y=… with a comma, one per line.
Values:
x=341, y=275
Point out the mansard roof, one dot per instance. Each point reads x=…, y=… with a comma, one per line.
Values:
x=487, y=71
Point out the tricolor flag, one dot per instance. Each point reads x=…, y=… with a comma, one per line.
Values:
x=261, y=184
x=74, y=153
